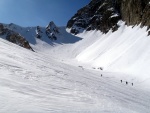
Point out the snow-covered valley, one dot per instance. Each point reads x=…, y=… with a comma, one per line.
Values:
x=77, y=74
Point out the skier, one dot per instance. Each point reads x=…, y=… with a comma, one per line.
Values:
x=132, y=84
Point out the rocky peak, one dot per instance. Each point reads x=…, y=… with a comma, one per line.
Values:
x=52, y=27
x=38, y=32
x=51, y=31
x=98, y=14
x=104, y=15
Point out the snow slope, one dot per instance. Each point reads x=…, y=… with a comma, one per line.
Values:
x=63, y=77
x=126, y=51
x=37, y=83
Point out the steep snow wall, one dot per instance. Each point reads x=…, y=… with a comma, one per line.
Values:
x=126, y=50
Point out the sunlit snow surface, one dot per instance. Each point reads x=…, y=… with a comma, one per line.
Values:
x=126, y=51
x=64, y=78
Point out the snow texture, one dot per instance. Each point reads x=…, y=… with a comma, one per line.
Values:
x=72, y=75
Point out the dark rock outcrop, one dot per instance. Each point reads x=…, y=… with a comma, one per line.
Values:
x=14, y=37
x=19, y=40
x=135, y=12
x=104, y=15
x=1, y=29
x=148, y=33
x=51, y=31
x=38, y=32
x=98, y=14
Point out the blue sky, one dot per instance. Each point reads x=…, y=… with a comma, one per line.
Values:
x=39, y=12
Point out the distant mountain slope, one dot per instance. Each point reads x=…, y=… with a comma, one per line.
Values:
x=51, y=34
x=14, y=37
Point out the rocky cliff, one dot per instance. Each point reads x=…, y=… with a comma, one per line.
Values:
x=135, y=12
x=14, y=37
x=51, y=31
x=104, y=14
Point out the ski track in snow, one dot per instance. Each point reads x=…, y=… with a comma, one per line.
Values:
x=41, y=82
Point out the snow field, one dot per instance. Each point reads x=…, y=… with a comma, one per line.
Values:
x=63, y=76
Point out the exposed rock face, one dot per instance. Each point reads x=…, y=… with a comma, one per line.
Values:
x=19, y=40
x=98, y=14
x=38, y=32
x=1, y=29
x=104, y=14
x=14, y=37
x=135, y=12
x=50, y=31
x=131, y=12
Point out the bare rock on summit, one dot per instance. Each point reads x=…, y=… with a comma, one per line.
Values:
x=50, y=31
x=98, y=14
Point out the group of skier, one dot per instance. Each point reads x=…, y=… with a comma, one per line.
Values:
x=123, y=81
x=126, y=82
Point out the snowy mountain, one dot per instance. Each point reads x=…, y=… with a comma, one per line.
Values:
x=104, y=15
x=51, y=31
x=103, y=67
x=38, y=82
x=51, y=34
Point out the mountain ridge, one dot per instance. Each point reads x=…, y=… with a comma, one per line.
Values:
x=104, y=15
x=50, y=34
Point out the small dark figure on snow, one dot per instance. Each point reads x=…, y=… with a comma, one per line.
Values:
x=101, y=75
x=121, y=81
x=126, y=82
x=132, y=84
